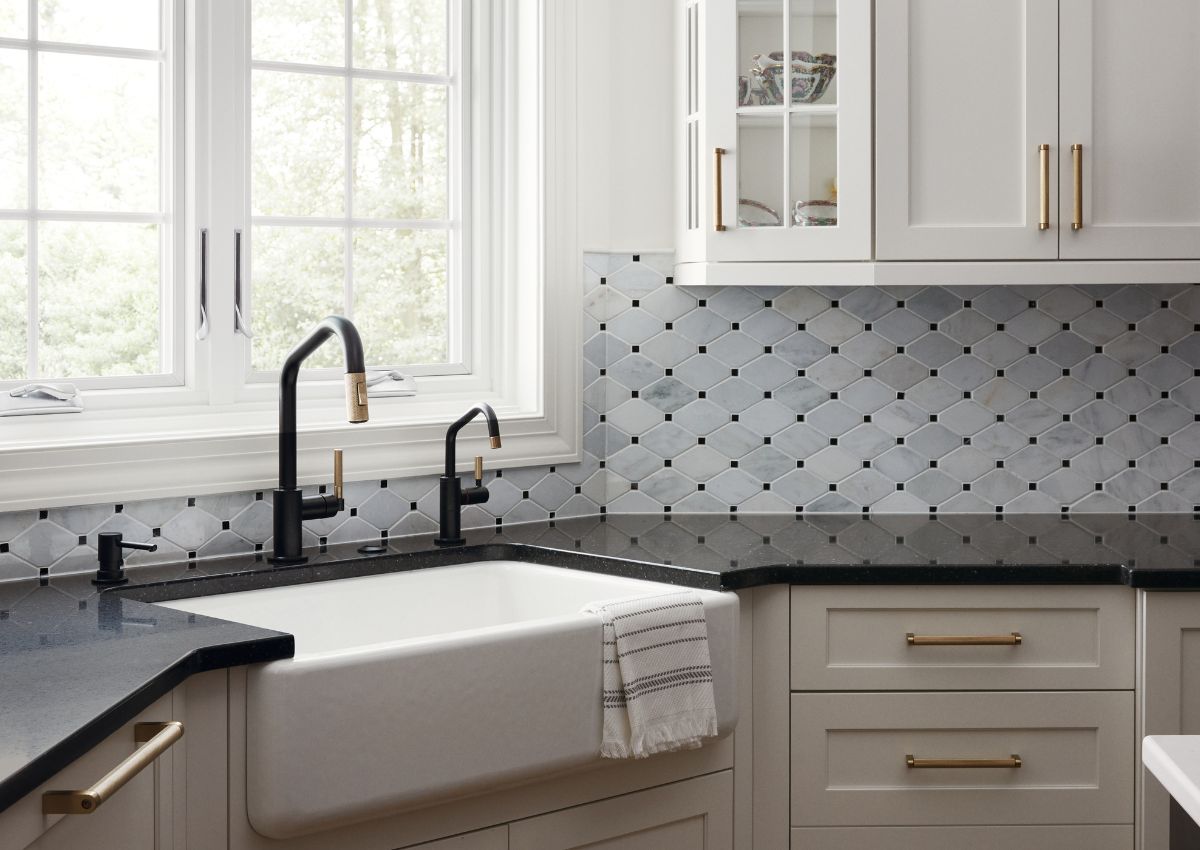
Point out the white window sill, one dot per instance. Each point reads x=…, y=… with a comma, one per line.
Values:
x=112, y=456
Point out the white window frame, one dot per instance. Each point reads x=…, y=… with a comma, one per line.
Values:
x=159, y=442
x=172, y=351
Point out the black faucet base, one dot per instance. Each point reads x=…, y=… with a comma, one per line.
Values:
x=283, y=561
x=451, y=541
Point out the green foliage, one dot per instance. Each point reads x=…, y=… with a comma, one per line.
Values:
x=13, y=306
x=98, y=299
x=400, y=161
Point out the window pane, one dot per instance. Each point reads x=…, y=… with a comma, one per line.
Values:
x=98, y=133
x=308, y=31
x=14, y=127
x=297, y=144
x=98, y=299
x=13, y=18
x=400, y=166
x=113, y=23
x=298, y=275
x=14, y=286
x=400, y=295
x=400, y=35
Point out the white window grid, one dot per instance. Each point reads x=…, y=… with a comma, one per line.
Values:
x=456, y=81
x=171, y=279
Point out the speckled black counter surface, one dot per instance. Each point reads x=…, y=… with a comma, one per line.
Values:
x=75, y=665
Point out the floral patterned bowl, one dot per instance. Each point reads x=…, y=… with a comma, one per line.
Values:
x=811, y=75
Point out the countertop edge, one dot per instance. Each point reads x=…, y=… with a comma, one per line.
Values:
x=27, y=779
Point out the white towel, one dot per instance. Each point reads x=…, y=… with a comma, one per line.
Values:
x=658, y=692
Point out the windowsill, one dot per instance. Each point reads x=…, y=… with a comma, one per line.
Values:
x=113, y=456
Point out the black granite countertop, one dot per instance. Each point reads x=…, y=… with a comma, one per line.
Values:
x=76, y=665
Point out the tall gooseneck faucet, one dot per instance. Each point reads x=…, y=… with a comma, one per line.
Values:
x=291, y=508
x=452, y=495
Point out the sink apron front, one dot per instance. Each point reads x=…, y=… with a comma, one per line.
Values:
x=330, y=743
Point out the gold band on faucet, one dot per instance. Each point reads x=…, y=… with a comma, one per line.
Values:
x=356, y=397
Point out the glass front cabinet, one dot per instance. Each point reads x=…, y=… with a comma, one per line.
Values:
x=775, y=155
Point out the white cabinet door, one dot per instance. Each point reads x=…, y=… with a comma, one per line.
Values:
x=966, y=92
x=1168, y=696
x=1131, y=99
x=696, y=813
x=773, y=168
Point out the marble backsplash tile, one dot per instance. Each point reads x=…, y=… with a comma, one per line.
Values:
x=1009, y=399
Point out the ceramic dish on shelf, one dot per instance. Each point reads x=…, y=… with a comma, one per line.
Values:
x=815, y=214
x=756, y=214
x=811, y=75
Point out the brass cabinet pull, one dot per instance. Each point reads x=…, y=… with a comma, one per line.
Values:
x=157, y=738
x=718, y=215
x=1011, y=639
x=1077, y=165
x=1044, y=212
x=1012, y=761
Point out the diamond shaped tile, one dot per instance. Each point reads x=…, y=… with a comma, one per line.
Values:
x=735, y=348
x=734, y=440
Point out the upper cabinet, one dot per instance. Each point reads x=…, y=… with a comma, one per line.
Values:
x=1024, y=130
x=1027, y=141
x=776, y=154
x=1130, y=127
x=967, y=122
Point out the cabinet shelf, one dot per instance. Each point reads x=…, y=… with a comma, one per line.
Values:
x=816, y=115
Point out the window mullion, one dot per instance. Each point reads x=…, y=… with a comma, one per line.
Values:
x=348, y=154
x=31, y=197
x=220, y=129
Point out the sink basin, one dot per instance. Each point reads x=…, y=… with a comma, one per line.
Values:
x=417, y=687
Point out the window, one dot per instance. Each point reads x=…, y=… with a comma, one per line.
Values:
x=409, y=163
x=365, y=217
x=87, y=220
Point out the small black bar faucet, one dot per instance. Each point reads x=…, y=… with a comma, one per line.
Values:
x=453, y=495
x=291, y=508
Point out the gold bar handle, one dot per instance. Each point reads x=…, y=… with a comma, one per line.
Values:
x=1044, y=212
x=338, y=487
x=478, y=470
x=718, y=199
x=156, y=738
x=1012, y=639
x=1012, y=761
x=1077, y=166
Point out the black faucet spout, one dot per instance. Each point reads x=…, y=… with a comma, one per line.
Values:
x=290, y=507
x=452, y=495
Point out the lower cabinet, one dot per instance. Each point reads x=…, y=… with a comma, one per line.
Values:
x=1169, y=696
x=688, y=815
x=960, y=837
x=984, y=758
x=485, y=839
x=139, y=816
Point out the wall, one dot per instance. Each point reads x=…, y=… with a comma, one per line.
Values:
x=626, y=163
x=806, y=400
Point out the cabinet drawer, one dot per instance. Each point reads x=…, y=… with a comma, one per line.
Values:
x=849, y=758
x=958, y=837
x=1071, y=638
x=136, y=817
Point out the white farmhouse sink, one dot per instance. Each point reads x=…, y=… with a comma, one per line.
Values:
x=415, y=687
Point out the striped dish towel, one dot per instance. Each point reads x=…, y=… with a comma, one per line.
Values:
x=658, y=692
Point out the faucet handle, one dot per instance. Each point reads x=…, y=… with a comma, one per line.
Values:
x=337, y=474
x=478, y=470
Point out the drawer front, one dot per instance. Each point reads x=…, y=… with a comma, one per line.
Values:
x=136, y=817
x=1071, y=638
x=958, y=837
x=849, y=758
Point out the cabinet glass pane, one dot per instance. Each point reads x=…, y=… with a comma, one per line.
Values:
x=813, y=38
x=760, y=169
x=761, y=77
x=813, y=170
